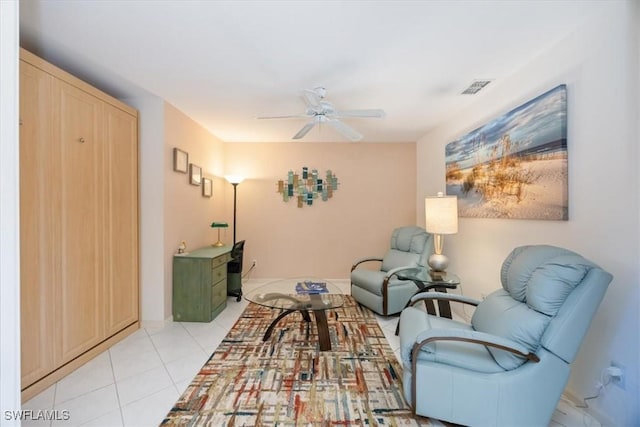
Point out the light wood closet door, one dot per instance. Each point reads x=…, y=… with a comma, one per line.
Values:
x=39, y=204
x=80, y=294
x=122, y=229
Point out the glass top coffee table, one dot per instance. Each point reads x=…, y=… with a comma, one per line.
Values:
x=303, y=294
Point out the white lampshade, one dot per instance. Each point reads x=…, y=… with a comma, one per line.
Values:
x=441, y=214
x=234, y=179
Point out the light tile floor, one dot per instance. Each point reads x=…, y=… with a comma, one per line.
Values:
x=136, y=382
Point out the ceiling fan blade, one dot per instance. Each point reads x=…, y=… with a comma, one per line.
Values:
x=360, y=113
x=310, y=98
x=302, y=132
x=294, y=116
x=345, y=130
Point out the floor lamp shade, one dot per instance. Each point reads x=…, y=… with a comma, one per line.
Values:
x=234, y=179
x=441, y=217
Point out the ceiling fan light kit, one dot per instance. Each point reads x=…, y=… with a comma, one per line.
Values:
x=320, y=111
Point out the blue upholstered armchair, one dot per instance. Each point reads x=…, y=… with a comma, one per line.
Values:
x=511, y=364
x=380, y=289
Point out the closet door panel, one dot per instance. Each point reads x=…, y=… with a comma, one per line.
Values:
x=122, y=213
x=81, y=290
x=78, y=222
x=39, y=223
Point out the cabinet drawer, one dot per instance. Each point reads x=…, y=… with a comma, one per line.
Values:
x=222, y=259
x=219, y=273
x=218, y=293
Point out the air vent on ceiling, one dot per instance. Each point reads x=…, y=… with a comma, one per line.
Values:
x=475, y=87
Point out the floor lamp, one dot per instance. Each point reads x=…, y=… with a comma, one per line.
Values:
x=234, y=180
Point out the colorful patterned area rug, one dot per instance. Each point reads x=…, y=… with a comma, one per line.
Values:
x=287, y=381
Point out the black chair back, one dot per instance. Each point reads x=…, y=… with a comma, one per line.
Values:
x=235, y=265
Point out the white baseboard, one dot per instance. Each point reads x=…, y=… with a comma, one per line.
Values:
x=600, y=416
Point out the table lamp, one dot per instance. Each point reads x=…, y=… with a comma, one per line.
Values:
x=441, y=217
x=219, y=225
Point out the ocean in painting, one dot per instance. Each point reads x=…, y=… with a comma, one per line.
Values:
x=516, y=165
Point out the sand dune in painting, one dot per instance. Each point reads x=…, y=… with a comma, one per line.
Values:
x=543, y=197
x=515, y=166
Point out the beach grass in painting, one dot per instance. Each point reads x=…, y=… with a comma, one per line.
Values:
x=516, y=165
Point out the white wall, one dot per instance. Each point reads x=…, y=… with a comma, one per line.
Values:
x=599, y=64
x=151, y=214
x=9, y=214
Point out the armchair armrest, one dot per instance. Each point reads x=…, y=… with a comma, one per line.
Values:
x=474, y=337
x=460, y=335
x=396, y=270
x=443, y=296
x=360, y=261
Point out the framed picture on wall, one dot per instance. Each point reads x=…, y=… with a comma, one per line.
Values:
x=516, y=165
x=206, y=187
x=195, y=174
x=180, y=161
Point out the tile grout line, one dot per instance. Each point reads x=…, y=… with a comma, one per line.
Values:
x=218, y=324
x=53, y=403
x=115, y=382
x=175, y=387
x=383, y=322
x=164, y=364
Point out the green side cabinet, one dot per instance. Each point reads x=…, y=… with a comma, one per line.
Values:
x=200, y=284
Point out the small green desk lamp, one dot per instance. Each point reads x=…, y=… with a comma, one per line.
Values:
x=219, y=225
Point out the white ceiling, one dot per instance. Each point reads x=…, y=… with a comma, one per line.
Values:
x=224, y=63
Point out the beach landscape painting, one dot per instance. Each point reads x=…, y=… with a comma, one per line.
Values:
x=516, y=165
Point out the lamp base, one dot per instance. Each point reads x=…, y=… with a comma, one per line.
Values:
x=219, y=242
x=437, y=275
x=438, y=262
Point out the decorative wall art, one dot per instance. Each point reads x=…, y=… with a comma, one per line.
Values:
x=206, y=187
x=195, y=174
x=180, y=160
x=306, y=186
x=515, y=166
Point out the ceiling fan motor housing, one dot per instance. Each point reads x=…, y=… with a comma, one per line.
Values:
x=321, y=111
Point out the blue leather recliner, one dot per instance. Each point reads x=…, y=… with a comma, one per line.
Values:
x=381, y=290
x=510, y=366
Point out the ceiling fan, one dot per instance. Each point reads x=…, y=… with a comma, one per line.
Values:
x=320, y=111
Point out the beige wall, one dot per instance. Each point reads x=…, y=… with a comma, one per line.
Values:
x=376, y=194
x=187, y=214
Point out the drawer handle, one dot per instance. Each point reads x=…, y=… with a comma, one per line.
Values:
x=81, y=140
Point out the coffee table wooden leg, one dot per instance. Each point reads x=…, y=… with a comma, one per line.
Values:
x=323, y=330
x=305, y=315
x=282, y=315
x=307, y=320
